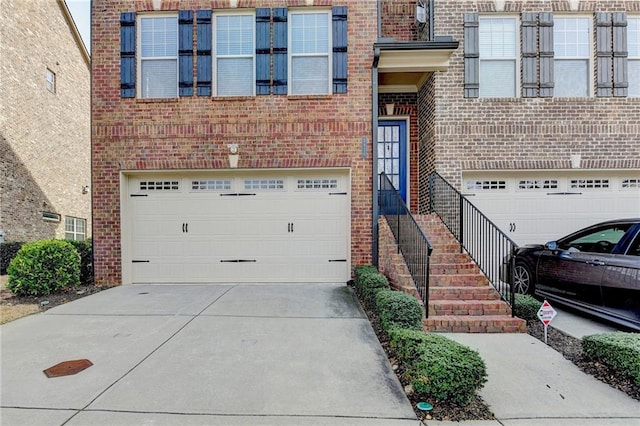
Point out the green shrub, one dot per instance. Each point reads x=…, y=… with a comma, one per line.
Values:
x=526, y=307
x=358, y=271
x=618, y=350
x=369, y=284
x=44, y=267
x=398, y=310
x=438, y=367
x=85, y=249
x=7, y=252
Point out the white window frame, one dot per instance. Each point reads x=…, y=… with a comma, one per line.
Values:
x=215, y=56
x=291, y=55
x=633, y=47
x=74, y=232
x=588, y=57
x=515, y=58
x=140, y=59
x=50, y=77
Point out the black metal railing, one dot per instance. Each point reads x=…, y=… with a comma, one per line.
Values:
x=411, y=241
x=487, y=245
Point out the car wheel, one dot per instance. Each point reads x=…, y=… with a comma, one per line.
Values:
x=522, y=279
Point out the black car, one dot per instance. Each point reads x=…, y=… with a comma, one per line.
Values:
x=596, y=270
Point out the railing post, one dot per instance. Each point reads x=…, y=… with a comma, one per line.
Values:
x=461, y=224
x=511, y=280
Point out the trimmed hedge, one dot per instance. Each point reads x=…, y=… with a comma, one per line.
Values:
x=361, y=270
x=618, y=350
x=368, y=283
x=399, y=310
x=44, y=267
x=438, y=367
x=7, y=253
x=526, y=307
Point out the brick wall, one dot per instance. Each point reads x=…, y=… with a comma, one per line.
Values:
x=191, y=133
x=44, y=136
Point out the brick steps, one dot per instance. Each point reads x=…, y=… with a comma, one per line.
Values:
x=461, y=299
x=463, y=293
x=474, y=324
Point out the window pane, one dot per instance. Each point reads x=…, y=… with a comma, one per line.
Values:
x=571, y=37
x=571, y=78
x=159, y=37
x=234, y=35
x=309, y=75
x=633, y=37
x=634, y=77
x=497, y=79
x=497, y=37
x=310, y=33
x=159, y=79
x=235, y=77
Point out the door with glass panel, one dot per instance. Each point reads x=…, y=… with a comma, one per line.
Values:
x=392, y=154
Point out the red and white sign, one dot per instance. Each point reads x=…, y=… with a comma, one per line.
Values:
x=546, y=313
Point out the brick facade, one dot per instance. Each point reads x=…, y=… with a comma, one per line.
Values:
x=459, y=134
x=44, y=136
x=192, y=133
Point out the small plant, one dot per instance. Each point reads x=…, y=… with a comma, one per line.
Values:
x=618, y=350
x=7, y=252
x=85, y=249
x=438, y=367
x=369, y=284
x=526, y=307
x=44, y=267
x=399, y=310
x=361, y=270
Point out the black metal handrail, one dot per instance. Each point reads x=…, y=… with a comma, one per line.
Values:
x=411, y=241
x=487, y=245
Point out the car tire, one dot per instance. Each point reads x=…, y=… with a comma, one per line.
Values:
x=523, y=279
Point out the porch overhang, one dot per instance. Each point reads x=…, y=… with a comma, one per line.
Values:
x=405, y=66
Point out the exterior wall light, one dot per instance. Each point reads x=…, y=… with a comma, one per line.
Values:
x=233, y=155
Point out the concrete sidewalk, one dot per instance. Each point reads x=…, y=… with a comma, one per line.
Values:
x=202, y=355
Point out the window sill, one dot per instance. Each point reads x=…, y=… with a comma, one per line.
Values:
x=156, y=100
x=308, y=97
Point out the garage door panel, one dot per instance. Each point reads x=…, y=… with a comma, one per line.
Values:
x=536, y=215
x=283, y=232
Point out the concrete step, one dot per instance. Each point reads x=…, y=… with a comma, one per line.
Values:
x=463, y=293
x=468, y=307
x=474, y=324
x=458, y=280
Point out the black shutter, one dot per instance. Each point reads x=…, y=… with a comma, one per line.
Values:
x=471, y=56
x=128, y=55
x=263, y=51
x=529, y=55
x=603, y=54
x=340, y=59
x=185, y=52
x=620, y=81
x=203, y=18
x=280, y=69
x=545, y=42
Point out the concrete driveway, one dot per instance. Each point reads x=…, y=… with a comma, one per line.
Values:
x=202, y=354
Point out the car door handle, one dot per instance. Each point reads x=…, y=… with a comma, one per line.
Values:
x=595, y=262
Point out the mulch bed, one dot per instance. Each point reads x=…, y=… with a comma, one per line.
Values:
x=51, y=300
x=477, y=409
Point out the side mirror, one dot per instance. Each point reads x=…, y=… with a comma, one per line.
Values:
x=551, y=245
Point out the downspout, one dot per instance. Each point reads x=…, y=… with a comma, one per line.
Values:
x=374, y=152
x=374, y=140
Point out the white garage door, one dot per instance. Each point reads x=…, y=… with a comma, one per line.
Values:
x=536, y=207
x=254, y=227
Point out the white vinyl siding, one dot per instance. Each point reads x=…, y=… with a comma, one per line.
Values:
x=498, y=57
x=234, y=55
x=572, y=57
x=309, y=58
x=158, y=58
x=633, y=61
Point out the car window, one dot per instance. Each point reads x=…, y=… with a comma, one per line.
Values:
x=634, y=249
x=598, y=240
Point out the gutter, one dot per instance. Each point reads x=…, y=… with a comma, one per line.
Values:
x=374, y=153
